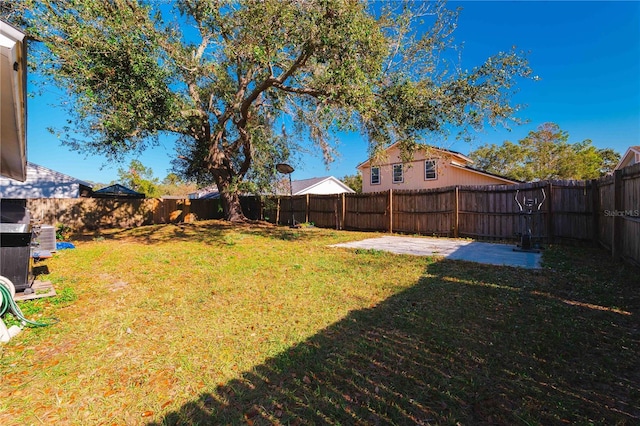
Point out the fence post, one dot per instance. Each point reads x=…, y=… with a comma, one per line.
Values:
x=595, y=211
x=456, y=209
x=550, y=231
x=153, y=211
x=616, y=241
x=278, y=211
x=306, y=214
x=261, y=206
x=342, y=209
x=187, y=211
x=390, y=206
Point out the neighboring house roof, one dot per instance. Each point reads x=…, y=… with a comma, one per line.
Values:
x=207, y=193
x=457, y=156
x=320, y=185
x=483, y=172
x=42, y=182
x=631, y=157
x=118, y=191
x=13, y=103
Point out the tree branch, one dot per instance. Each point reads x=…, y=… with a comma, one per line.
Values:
x=298, y=90
x=270, y=81
x=203, y=45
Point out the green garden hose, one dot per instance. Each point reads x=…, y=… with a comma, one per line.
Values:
x=8, y=304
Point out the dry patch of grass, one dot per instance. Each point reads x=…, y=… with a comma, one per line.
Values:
x=216, y=324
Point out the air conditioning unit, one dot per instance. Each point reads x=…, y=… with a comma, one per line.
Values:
x=46, y=238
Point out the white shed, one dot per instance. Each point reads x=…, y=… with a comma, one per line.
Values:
x=43, y=183
x=320, y=186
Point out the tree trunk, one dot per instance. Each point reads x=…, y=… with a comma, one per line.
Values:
x=230, y=202
x=231, y=207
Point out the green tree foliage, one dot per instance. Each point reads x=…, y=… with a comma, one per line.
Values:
x=610, y=160
x=354, y=182
x=546, y=154
x=140, y=179
x=175, y=185
x=240, y=82
x=173, y=180
x=10, y=11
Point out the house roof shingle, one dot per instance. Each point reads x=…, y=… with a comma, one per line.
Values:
x=117, y=190
x=461, y=156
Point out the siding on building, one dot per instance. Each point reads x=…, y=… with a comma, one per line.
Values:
x=451, y=168
x=43, y=183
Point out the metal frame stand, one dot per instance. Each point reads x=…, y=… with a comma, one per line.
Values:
x=528, y=208
x=286, y=169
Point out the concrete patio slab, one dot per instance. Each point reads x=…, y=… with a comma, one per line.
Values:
x=472, y=251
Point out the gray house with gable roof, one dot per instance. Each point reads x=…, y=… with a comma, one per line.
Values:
x=42, y=182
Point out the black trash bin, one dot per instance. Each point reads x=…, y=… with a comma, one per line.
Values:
x=15, y=244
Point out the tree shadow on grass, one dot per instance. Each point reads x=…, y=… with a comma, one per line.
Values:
x=453, y=348
x=208, y=232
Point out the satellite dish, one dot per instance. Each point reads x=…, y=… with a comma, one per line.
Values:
x=284, y=168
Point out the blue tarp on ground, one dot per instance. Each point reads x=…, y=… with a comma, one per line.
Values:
x=63, y=245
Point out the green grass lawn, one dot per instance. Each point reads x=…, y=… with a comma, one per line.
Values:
x=209, y=323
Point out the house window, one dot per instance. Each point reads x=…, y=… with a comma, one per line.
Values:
x=375, y=176
x=430, y=171
x=397, y=173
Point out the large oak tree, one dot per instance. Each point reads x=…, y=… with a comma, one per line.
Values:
x=239, y=82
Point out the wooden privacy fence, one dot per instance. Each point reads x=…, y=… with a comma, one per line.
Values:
x=617, y=217
x=605, y=211
x=97, y=213
x=481, y=212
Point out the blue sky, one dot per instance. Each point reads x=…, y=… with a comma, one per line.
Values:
x=586, y=54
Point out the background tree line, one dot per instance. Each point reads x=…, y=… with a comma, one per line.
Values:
x=546, y=153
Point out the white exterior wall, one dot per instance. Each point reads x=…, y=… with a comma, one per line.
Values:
x=13, y=103
x=448, y=173
x=41, y=183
